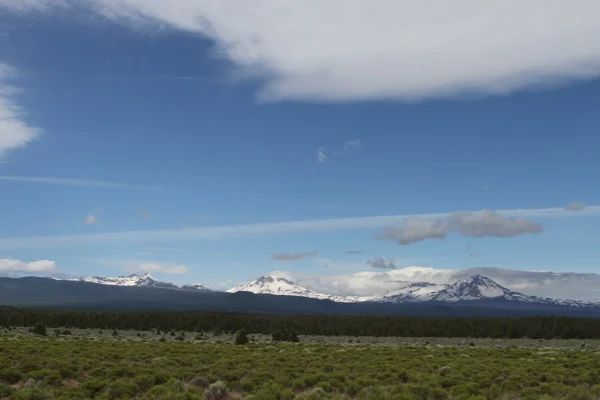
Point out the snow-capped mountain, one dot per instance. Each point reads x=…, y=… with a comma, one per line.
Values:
x=278, y=286
x=479, y=287
x=145, y=280
x=129, y=280
x=476, y=287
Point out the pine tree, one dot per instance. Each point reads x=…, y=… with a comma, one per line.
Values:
x=241, y=337
x=39, y=329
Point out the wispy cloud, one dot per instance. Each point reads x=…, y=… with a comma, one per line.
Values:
x=92, y=217
x=354, y=252
x=469, y=251
x=14, y=131
x=160, y=269
x=400, y=49
x=321, y=157
x=349, y=145
x=141, y=265
x=233, y=231
x=71, y=182
x=292, y=256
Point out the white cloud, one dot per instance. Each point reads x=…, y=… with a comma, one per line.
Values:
x=321, y=157
x=479, y=224
x=15, y=133
x=234, y=231
x=390, y=49
x=160, y=269
x=41, y=266
x=71, y=182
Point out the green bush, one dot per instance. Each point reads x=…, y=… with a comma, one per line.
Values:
x=47, y=376
x=123, y=388
x=10, y=376
x=285, y=336
x=274, y=391
x=5, y=390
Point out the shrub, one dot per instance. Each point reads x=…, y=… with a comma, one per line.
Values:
x=47, y=376
x=315, y=394
x=33, y=393
x=5, y=390
x=200, y=381
x=123, y=388
x=274, y=391
x=217, y=391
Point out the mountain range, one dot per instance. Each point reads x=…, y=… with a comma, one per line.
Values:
x=475, y=296
x=473, y=288
x=145, y=280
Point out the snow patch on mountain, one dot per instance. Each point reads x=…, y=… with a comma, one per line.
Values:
x=421, y=291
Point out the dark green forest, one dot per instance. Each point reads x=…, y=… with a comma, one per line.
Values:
x=530, y=327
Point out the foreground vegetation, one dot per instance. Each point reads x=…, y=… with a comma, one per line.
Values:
x=93, y=364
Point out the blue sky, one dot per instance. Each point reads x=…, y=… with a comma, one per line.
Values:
x=139, y=144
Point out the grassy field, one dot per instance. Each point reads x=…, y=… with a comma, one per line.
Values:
x=90, y=364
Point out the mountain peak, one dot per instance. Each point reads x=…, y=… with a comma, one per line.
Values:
x=475, y=287
x=142, y=276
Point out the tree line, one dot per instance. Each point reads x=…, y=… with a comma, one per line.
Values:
x=332, y=325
